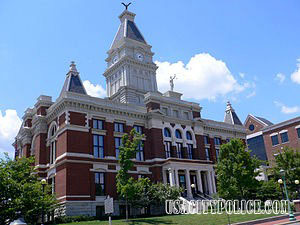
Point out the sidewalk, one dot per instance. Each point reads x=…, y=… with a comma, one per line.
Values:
x=283, y=221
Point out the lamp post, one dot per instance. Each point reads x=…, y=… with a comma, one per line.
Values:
x=193, y=186
x=297, y=183
x=291, y=215
x=43, y=182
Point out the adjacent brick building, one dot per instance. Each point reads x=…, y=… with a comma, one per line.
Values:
x=266, y=139
x=75, y=139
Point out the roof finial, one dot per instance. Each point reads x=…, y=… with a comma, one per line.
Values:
x=73, y=67
x=229, y=106
x=126, y=6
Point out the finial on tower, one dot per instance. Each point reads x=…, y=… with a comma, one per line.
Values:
x=73, y=67
x=126, y=6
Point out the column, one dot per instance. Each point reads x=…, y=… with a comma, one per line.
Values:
x=199, y=181
x=209, y=182
x=164, y=176
x=176, y=177
x=171, y=176
x=213, y=181
x=188, y=183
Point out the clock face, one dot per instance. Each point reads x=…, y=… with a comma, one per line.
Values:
x=115, y=59
x=139, y=56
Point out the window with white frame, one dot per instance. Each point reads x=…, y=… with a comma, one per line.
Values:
x=119, y=127
x=118, y=143
x=98, y=124
x=284, y=137
x=98, y=146
x=217, y=153
x=207, y=154
x=298, y=132
x=138, y=129
x=217, y=141
x=168, y=149
x=165, y=111
x=52, y=145
x=100, y=184
x=274, y=140
x=206, y=140
x=190, y=151
x=179, y=150
x=186, y=115
x=189, y=136
x=140, y=152
x=167, y=132
x=178, y=134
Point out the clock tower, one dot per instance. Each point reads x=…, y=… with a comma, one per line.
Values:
x=130, y=71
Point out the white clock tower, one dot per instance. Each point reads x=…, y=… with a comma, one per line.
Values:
x=130, y=71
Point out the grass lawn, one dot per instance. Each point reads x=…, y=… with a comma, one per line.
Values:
x=208, y=219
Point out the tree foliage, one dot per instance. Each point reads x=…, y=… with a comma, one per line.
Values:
x=289, y=160
x=236, y=171
x=139, y=193
x=21, y=191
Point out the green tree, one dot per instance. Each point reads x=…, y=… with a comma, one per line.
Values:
x=268, y=190
x=125, y=183
x=21, y=191
x=236, y=171
x=289, y=160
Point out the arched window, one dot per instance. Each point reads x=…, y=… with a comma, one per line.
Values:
x=189, y=135
x=178, y=134
x=167, y=132
x=52, y=144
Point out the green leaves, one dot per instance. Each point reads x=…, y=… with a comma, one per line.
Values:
x=21, y=191
x=236, y=171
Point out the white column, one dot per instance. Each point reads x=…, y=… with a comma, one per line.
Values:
x=199, y=181
x=213, y=181
x=210, y=189
x=164, y=176
x=188, y=183
x=176, y=177
x=171, y=177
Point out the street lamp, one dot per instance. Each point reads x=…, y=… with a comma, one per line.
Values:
x=43, y=182
x=282, y=173
x=193, y=186
x=297, y=183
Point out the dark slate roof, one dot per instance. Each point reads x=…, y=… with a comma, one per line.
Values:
x=231, y=116
x=264, y=120
x=128, y=29
x=236, y=119
x=73, y=82
x=133, y=32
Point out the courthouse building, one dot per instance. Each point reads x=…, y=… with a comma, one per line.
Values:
x=76, y=138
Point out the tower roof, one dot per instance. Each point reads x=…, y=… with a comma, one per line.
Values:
x=127, y=29
x=231, y=116
x=73, y=82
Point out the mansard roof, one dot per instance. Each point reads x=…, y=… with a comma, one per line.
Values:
x=73, y=82
x=127, y=29
x=230, y=116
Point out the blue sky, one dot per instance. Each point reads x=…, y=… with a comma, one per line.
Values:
x=251, y=41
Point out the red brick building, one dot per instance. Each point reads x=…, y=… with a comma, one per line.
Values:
x=75, y=139
x=266, y=139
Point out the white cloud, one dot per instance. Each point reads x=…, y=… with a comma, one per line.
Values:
x=10, y=124
x=203, y=77
x=252, y=94
x=296, y=75
x=286, y=109
x=280, y=77
x=94, y=90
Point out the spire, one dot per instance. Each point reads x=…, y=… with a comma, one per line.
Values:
x=230, y=115
x=127, y=29
x=73, y=82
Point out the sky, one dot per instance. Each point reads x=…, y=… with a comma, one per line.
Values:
x=247, y=52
